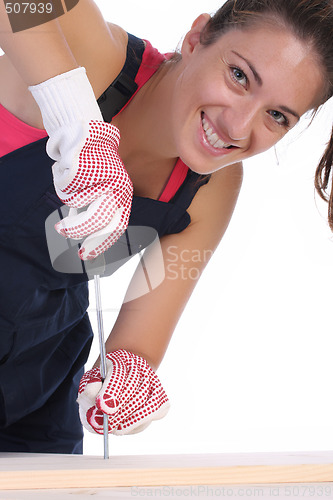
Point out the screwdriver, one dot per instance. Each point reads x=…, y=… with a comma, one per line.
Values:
x=102, y=356
x=64, y=253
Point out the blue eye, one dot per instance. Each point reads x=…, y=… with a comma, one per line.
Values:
x=279, y=117
x=239, y=76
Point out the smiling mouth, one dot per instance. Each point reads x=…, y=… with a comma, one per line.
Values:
x=212, y=137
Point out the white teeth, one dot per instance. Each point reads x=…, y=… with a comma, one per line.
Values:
x=219, y=144
x=212, y=137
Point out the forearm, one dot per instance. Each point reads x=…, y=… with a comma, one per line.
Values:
x=146, y=324
x=144, y=333
x=150, y=343
x=38, y=53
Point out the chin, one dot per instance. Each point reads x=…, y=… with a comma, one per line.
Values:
x=207, y=171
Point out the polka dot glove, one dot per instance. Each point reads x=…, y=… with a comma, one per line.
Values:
x=88, y=172
x=131, y=395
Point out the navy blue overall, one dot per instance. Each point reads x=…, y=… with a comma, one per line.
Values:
x=45, y=333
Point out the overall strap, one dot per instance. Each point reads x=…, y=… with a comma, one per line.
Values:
x=185, y=194
x=124, y=86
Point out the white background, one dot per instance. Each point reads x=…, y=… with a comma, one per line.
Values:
x=249, y=367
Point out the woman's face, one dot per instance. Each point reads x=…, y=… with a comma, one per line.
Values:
x=241, y=95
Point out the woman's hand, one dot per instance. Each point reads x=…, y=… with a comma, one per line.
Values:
x=131, y=394
x=88, y=172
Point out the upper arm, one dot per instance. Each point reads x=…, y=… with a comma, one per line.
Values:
x=212, y=207
x=41, y=52
x=145, y=325
x=97, y=45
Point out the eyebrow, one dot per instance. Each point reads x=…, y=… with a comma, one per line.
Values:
x=288, y=110
x=258, y=79
x=254, y=71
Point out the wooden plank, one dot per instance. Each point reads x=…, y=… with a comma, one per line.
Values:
x=305, y=491
x=28, y=471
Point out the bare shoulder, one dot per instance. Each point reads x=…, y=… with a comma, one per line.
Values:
x=213, y=205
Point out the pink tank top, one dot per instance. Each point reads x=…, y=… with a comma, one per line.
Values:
x=15, y=134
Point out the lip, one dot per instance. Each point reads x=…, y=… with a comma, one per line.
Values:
x=206, y=144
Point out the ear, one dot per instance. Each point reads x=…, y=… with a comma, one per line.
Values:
x=192, y=38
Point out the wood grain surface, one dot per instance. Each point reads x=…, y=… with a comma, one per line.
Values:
x=30, y=471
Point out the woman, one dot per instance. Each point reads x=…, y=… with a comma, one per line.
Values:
x=235, y=91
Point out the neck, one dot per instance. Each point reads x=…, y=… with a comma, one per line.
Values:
x=146, y=146
x=145, y=124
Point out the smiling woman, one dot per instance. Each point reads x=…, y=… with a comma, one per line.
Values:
x=248, y=93
x=181, y=125
x=311, y=24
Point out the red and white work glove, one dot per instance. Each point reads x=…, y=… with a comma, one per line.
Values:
x=132, y=395
x=88, y=171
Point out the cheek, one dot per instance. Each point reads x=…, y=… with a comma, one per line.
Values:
x=184, y=112
x=200, y=86
x=265, y=139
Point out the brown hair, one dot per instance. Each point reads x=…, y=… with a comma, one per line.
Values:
x=312, y=22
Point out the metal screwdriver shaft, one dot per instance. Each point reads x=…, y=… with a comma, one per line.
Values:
x=102, y=356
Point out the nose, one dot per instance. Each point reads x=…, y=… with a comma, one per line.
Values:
x=239, y=119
